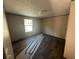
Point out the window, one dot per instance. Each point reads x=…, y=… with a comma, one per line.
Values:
x=28, y=25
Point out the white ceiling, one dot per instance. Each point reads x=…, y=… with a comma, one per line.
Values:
x=37, y=8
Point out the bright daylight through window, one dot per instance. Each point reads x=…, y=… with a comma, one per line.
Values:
x=28, y=25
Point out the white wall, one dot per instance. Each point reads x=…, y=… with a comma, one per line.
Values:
x=70, y=36
x=56, y=26
x=6, y=40
x=17, y=29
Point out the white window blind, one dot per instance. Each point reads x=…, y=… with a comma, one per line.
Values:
x=28, y=25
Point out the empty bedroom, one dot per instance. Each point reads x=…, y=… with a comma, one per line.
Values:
x=38, y=29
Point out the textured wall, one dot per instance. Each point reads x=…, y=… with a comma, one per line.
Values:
x=70, y=36
x=16, y=26
x=55, y=26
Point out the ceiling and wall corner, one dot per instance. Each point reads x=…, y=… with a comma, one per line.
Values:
x=37, y=8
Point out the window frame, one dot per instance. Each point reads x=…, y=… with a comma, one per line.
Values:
x=25, y=25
